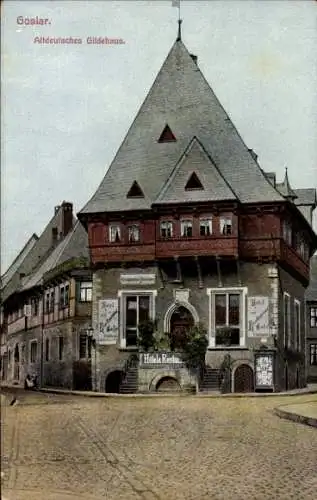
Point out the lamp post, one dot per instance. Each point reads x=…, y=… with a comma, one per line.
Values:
x=92, y=342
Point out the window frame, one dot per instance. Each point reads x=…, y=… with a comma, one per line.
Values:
x=189, y=224
x=313, y=316
x=169, y=226
x=287, y=327
x=313, y=354
x=132, y=227
x=119, y=232
x=63, y=296
x=122, y=295
x=85, y=289
x=88, y=346
x=223, y=223
x=209, y=221
x=33, y=342
x=212, y=292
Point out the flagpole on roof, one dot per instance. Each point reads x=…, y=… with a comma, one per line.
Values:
x=177, y=3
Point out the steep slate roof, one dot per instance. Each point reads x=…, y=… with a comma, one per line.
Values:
x=306, y=197
x=16, y=264
x=311, y=291
x=195, y=159
x=74, y=245
x=180, y=97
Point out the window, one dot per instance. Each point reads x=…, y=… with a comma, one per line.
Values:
x=166, y=229
x=313, y=317
x=85, y=291
x=137, y=309
x=135, y=191
x=297, y=324
x=287, y=232
x=60, y=348
x=52, y=301
x=114, y=233
x=84, y=346
x=193, y=183
x=167, y=135
x=23, y=353
x=35, y=306
x=205, y=226
x=186, y=228
x=33, y=352
x=47, y=349
x=64, y=296
x=225, y=226
x=133, y=234
x=47, y=302
x=287, y=319
x=313, y=354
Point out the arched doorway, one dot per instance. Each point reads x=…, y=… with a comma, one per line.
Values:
x=16, y=362
x=181, y=321
x=113, y=381
x=168, y=384
x=243, y=379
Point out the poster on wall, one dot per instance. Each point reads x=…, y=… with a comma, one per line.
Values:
x=108, y=321
x=258, y=316
x=264, y=371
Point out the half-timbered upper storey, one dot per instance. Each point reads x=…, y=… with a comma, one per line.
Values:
x=183, y=184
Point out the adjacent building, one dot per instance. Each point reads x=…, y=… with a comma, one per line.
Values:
x=187, y=228
x=311, y=323
x=46, y=307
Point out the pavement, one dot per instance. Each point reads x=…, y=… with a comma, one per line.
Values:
x=67, y=447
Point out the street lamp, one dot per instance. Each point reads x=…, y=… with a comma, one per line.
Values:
x=92, y=342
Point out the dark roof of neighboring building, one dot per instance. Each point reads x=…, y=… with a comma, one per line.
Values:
x=74, y=245
x=306, y=197
x=181, y=98
x=311, y=291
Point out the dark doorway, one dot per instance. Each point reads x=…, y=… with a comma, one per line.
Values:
x=181, y=321
x=113, y=381
x=243, y=379
x=168, y=384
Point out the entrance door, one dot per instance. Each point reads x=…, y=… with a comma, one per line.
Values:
x=243, y=379
x=181, y=321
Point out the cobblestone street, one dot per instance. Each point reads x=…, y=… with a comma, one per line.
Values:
x=67, y=447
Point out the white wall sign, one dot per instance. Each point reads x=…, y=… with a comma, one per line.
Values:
x=258, y=316
x=160, y=358
x=137, y=279
x=181, y=295
x=108, y=321
x=264, y=371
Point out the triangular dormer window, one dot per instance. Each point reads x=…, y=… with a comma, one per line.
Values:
x=167, y=135
x=135, y=191
x=193, y=183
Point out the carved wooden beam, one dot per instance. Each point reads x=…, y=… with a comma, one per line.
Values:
x=218, y=270
x=200, y=280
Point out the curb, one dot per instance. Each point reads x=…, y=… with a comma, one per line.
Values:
x=294, y=417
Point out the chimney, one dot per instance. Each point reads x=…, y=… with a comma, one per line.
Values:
x=253, y=154
x=56, y=209
x=194, y=58
x=67, y=217
x=54, y=235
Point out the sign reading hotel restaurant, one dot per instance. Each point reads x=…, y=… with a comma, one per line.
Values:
x=108, y=321
x=160, y=358
x=264, y=371
x=258, y=316
x=137, y=279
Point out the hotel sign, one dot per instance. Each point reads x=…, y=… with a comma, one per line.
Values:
x=137, y=279
x=264, y=370
x=108, y=321
x=258, y=316
x=160, y=358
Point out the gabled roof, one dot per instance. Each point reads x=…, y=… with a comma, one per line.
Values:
x=74, y=245
x=306, y=197
x=311, y=291
x=195, y=160
x=18, y=261
x=180, y=97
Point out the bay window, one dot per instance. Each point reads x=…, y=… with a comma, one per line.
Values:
x=136, y=308
x=227, y=317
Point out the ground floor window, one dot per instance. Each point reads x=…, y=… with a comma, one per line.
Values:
x=136, y=308
x=84, y=346
x=60, y=348
x=313, y=354
x=227, y=317
x=33, y=352
x=47, y=349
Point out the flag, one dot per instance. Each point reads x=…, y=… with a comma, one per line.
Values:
x=176, y=3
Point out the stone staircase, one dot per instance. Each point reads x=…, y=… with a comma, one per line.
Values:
x=210, y=381
x=130, y=382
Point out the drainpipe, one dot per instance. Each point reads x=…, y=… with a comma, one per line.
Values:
x=42, y=340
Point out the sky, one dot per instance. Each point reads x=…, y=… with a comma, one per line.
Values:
x=67, y=108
